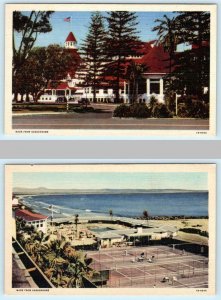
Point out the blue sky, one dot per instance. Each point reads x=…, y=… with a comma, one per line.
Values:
x=102, y=180
x=79, y=26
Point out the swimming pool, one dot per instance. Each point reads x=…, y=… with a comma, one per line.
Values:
x=101, y=229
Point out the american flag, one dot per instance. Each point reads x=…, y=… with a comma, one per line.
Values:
x=68, y=19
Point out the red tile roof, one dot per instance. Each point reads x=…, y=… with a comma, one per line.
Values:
x=70, y=38
x=203, y=44
x=29, y=216
x=156, y=59
x=61, y=86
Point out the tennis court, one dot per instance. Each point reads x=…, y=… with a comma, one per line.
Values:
x=151, y=266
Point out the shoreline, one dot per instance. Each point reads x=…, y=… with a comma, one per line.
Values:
x=102, y=214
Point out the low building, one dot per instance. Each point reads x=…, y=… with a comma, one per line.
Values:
x=134, y=235
x=37, y=220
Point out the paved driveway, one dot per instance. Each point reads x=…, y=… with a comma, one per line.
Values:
x=101, y=120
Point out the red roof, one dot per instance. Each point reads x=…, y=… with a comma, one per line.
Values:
x=108, y=81
x=157, y=60
x=61, y=86
x=29, y=216
x=75, y=54
x=71, y=38
x=203, y=44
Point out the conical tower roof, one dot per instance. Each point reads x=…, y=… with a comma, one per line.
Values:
x=71, y=38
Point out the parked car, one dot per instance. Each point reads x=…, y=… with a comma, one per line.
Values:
x=83, y=101
x=61, y=99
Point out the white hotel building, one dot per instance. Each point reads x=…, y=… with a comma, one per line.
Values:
x=152, y=83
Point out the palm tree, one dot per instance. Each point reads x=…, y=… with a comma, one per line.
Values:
x=76, y=219
x=134, y=75
x=153, y=104
x=111, y=214
x=167, y=36
x=146, y=215
x=78, y=268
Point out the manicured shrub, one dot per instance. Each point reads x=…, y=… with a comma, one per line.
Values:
x=136, y=110
x=194, y=110
x=122, y=111
x=139, y=110
x=161, y=111
x=200, y=110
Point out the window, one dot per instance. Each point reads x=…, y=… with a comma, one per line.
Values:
x=105, y=91
x=49, y=92
x=155, y=86
x=60, y=93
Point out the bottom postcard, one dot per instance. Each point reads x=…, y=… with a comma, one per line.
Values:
x=114, y=229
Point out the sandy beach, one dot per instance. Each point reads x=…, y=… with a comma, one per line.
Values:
x=83, y=236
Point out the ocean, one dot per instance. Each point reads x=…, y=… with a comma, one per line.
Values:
x=127, y=205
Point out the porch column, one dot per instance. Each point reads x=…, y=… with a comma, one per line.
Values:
x=148, y=86
x=124, y=95
x=161, y=86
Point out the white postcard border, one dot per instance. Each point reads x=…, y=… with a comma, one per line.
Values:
x=105, y=133
x=210, y=168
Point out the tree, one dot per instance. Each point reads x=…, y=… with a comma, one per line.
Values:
x=189, y=69
x=167, y=36
x=122, y=42
x=44, y=65
x=134, y=75
x=27, y=26
x=111, y=213
x=146, y=215
x=93, y=53
x=193, y=65
x=78, y=268
x=57, y=259
x=76, y=219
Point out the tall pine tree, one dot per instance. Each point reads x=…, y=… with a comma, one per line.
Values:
x=193, y=65
x=93, y=54
x=122, y=41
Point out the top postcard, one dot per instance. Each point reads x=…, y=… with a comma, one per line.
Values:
x=110, y=70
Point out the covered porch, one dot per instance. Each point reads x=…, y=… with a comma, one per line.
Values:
x=149, y=85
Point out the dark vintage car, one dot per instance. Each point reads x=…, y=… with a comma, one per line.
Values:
x=83, y=101
x=61, y=99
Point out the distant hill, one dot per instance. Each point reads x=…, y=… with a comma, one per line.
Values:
x=46, y=191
